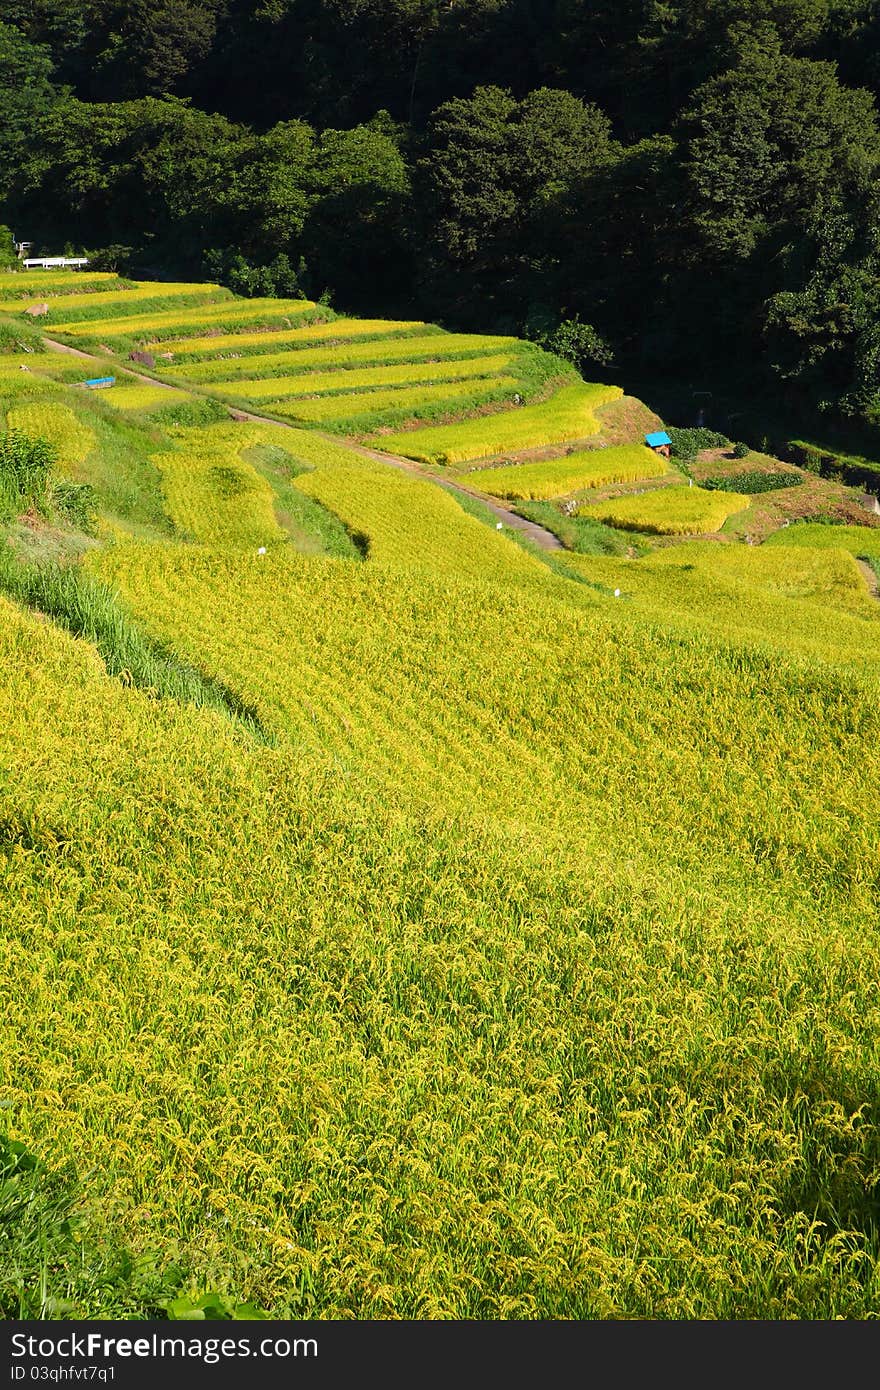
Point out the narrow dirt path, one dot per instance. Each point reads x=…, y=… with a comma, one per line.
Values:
x=543, y=538
x=870, y=579
x=539, y=535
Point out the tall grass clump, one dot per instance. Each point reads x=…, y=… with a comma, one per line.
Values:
x=25, y=472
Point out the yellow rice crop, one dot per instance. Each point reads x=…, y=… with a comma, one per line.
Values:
x=110, y=299
x=47, y=283
x=213, y=496
x=142, y=396
x=312, y=333
x=530, y=964
x=669, y=511
x=432, y=347
x=567, y=415
x=56, y=423
x=407, y=400
x=809, y=603
x=560, y=477
x=365, y=378
x=858, y=540
x=200, y=316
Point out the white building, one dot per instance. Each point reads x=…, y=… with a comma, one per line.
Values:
x=54, y=262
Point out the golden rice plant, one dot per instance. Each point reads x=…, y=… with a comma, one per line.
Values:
x=562, y=476
x=858, y=540
x=212, y=495
x=567, y=415
x=360, y=410
x=430, y=347
x=198, y=349
x=669, y=511
x=56, y=423
x=141, y=396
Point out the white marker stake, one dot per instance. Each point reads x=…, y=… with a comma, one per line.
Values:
x=499, y=525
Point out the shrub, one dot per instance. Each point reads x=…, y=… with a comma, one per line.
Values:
x=741, y=450
x=578, y=343
x=752, y=482
x=687, y=443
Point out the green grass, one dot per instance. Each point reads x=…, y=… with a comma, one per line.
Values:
x=581, y=534
x=572, y=473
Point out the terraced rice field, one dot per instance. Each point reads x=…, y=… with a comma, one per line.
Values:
x=574, y=472
x=249, y=344
x=669, y=511
x=56, y=423
x=19, y=286
x=359, y=411
x=151, y=326
x=487, y=945
x=365, y=379
x=114, y=302
x=432, y=346
x=141, y=396
x=567, y=415
x=858, y=540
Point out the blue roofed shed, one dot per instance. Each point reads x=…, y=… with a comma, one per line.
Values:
x=660, y=442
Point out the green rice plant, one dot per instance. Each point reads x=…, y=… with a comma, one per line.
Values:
x=316, y=331
x=361, y=411
x=365, y=379
x=428, y=347
x=70, y=439
x=573, y=472
x=858, y=540
x=567, y=415
x=668, y=511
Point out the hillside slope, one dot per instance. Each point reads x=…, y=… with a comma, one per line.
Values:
x=460, y=937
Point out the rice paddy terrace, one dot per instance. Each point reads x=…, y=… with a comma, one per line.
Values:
x=400, y=919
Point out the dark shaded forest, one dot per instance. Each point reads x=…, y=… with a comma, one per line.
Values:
x=677, y=188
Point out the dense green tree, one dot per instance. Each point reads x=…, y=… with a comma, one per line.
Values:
x=27, y=97
x=493, y=186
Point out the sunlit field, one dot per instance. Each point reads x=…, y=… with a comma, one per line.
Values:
x=401, y=921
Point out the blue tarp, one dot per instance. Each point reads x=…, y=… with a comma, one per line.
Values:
x=100, y=381
x=659, y=437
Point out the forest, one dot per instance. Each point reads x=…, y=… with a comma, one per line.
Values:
x=685, y=189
